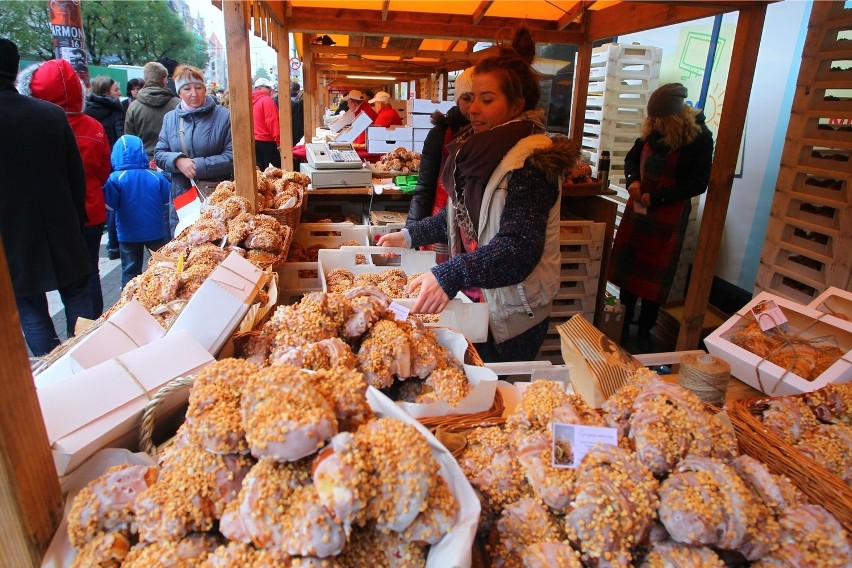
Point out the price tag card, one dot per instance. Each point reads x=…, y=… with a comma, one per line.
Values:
x=400, y=312
x=768, y=315
x=571, y=442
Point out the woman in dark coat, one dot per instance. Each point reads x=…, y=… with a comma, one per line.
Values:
x=667, y=166
x=195, y=141
x=104, y=104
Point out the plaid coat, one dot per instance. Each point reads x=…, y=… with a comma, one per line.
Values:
x=647, y=247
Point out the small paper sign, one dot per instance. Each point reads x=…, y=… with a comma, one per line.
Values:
x=571, y=442
x=400, y=312
x=768, y=315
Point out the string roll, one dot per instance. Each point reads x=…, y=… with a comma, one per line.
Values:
x=706, y=376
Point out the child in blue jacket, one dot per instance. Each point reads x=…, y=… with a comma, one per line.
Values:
x=140, y=198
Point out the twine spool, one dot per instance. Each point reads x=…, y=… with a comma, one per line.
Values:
x=706, y=376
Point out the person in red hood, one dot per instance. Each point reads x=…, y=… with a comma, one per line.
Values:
x=267, y=132
x=56, y=82
x=357, y=104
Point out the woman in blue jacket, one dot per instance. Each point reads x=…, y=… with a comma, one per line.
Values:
x=195, y=140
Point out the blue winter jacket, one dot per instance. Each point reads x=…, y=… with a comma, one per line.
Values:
x=138, y=195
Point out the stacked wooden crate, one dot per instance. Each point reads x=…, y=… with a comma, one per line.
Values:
x=581, y=247
x=808, y=246
x=620, y=80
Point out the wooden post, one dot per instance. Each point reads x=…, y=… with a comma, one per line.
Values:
x=30, y=498
x=581, y=91
x=732, y=122
x=239, y=83
x=285, y=106
x=312, y=96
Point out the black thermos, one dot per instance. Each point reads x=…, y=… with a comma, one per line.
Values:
x=603, y=169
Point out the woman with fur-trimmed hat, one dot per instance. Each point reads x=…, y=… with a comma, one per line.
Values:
x=667, y=166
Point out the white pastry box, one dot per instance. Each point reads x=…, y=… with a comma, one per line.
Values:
x=835, y=302
x=805, y=323
x=427, y=106
x=102, y=406
x=304, y=274
x=408, y=260
x=129, y=327
x=219, y=305
x=469, y=318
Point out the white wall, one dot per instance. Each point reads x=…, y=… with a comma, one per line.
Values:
x=766, y=122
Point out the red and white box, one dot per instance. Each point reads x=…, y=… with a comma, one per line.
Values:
x=805, y=323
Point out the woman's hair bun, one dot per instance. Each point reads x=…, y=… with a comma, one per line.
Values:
x=523, y=44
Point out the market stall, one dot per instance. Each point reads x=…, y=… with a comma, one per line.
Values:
x=30, y=500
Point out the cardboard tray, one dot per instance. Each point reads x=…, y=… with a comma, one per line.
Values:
x=769, y=377
x=835, y=302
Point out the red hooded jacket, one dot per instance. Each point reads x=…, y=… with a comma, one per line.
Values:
x=55, y=81
x=265, y=114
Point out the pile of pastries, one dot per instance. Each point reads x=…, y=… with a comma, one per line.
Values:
x=272, y=467
x=818, y=425
x=806, y=358
x=357, y=330
x=278, y=189
x=399, y=160
x=673, y=492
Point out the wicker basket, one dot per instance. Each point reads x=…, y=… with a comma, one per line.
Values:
x=289, y=217
x=817, y=483
x=460, y=422
x=149, y=415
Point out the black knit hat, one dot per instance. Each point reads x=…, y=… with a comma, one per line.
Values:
x=667, y=100
x=9, y=59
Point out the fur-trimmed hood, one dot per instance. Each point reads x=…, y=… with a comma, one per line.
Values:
x=53, y=81
x=555, y=160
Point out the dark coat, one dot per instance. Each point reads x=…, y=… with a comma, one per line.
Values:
x=42, y=195
x=647, y=246
x=431, y=160
x=109, y=112
x=144, y=117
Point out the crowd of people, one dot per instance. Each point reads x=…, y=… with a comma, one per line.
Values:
x=487, y=198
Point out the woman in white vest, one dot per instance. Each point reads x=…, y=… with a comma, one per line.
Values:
x=501, y=224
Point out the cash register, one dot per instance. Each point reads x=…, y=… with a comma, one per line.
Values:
x=335, y=165
x=333, y=156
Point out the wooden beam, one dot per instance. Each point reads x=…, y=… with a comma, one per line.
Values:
x=285, y=105
x=581, y=91
x=479, y=13
x=388, y=52
x=731, y=124
x=630, y=17
x=30, y=498
x=571, y=14
x=385, y=7
x=310, y=104
x=239, y=85
x=422, y=25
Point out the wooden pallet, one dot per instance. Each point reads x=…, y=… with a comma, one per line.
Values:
x=809, y=240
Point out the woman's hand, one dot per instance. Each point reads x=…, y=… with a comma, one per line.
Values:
x=432, y=299
x=186, y=166
x=635, y=190
x=392, y=240
x=645, y=200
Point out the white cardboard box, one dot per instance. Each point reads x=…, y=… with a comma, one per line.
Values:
x=768, y=377
x=105, y=403
x=219, y=305
x=385, y=146
x=420, y=134
x=419, y=120
x=129, y=327
x=417, y=147
x=836, y=302
x=408, y=260
x=392, y=133
x=427, y=106
x=469, y=318
x=359, y=125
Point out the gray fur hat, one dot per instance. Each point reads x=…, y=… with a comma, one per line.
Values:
x=667, y=100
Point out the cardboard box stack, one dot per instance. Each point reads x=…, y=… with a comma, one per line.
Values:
x=384, y=140
x=581, y=244
x=419, y=113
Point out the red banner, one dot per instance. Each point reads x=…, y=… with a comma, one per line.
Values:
x=66, y=26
